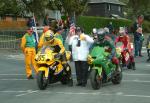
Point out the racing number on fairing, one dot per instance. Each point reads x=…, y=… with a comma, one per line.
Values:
x=41, y=58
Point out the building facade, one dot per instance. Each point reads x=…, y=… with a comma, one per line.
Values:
x=105, y=8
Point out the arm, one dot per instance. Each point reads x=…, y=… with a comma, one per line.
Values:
x=61, y=46
x=116, y=40
x=71, y=39
x=113, y=50
x=23, y=43
x=89, y=39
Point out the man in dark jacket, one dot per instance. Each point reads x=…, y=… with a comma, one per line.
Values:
x=138, y=35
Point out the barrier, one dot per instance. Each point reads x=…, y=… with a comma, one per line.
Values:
x=10, y=39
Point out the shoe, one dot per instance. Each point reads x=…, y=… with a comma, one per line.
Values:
x=148, y=60
x=83, y=85
x=30, y=77
x=140, y=55
x=79, y=84
x=135, y=56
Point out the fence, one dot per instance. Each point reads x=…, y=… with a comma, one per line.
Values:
x=10, y=39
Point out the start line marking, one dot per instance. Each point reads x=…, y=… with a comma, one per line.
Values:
x=75, y=74
x=23, y=93
x=134, y=81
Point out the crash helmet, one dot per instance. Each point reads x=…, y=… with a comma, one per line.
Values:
x=100, y=34
x=94, y=31
x=106, y=30
x=49, y=36
x=122, y=31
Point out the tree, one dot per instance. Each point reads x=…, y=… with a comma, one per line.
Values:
x=74, y=6
x=36, y=6
x=9, y=7
x=136, y=7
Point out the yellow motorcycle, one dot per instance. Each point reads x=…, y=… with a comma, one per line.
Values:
x=51, y=69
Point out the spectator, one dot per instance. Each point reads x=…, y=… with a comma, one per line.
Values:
x=110, y=27
x=28, y=47
x=30, y=22
x=58, y=34
x=46, y=21
x=137, y=30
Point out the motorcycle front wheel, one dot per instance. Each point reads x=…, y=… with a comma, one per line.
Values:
x=96, y=81
x=42, y=81
x=117, y=77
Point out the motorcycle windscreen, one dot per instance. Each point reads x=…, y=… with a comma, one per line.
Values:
x=97, y=51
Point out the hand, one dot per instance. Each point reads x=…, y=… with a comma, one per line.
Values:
x=82, y=37
x=57, y=56
x=139, y=30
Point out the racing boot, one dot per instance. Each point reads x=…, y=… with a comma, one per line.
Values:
x=118, y=68
x=133, y=64
x=67, y=71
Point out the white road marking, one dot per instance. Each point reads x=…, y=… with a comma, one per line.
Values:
x=75, y=74
x=23, y=93
x=136, y=74
x=148, y=65
x=136, y=81
x=12, y=74
x=11, y=91
x=17, y=57
x=100, y=93
x=143, y=47
x=13, y=79
x=27, y=92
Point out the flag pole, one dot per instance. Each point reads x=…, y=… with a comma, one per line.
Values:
x=35, y=29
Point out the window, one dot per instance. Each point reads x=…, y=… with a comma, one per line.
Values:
x=108, y=7
x=119, y=8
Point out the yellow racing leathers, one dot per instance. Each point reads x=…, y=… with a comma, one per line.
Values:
x=56, y=44
x=28, y=48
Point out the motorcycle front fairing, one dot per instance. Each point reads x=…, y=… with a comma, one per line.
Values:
x=100, y=60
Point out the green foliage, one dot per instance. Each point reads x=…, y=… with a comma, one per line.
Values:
x=136, y=7
x=146, y=26
x=73, y=6
x=89, y=22
x=9, y=7
x=24, y=7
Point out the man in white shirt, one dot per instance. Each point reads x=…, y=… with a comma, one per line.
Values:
x=80, y=49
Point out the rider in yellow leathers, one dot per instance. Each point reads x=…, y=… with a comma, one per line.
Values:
x=48, y=39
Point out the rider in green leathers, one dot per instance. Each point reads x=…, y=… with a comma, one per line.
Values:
x=102, y=41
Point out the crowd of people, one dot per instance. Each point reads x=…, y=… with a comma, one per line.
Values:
x=80, y=45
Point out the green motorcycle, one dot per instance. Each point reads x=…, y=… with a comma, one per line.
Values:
x=102, y=69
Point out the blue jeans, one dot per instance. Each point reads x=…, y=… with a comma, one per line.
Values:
x=137, y=46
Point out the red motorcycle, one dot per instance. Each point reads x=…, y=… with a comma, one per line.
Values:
x=124, y=55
